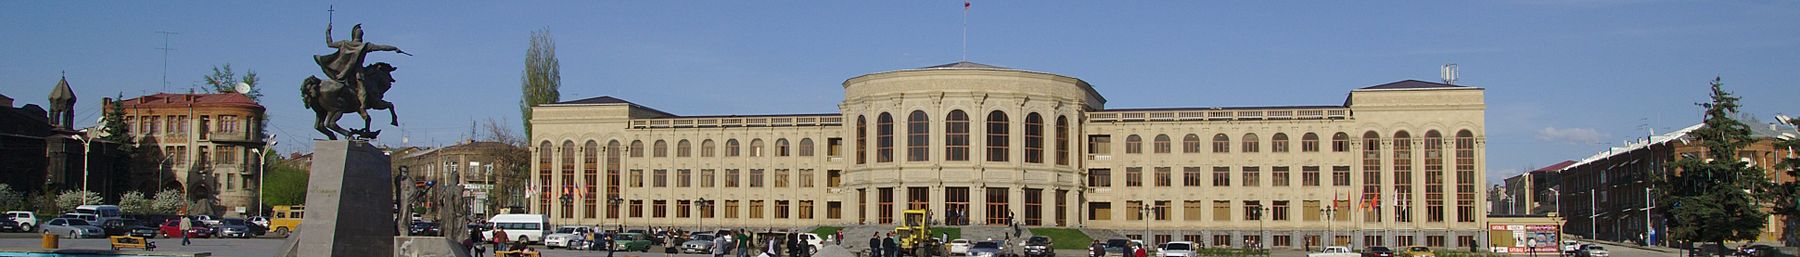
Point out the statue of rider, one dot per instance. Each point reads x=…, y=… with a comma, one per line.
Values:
x=345, y=65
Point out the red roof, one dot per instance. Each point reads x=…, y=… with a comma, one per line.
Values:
x=163, y=100
x=1554, y=167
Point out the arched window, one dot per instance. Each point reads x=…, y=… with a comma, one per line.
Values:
x=884, y=138
x=862, y=140
x=1434, y=174
x=1190, y=143
x=568, y=178
x=918, y=137
x=545, y=155
x=1134, y=144
x=1309, y=142
x=1371, y=161
x=781, y=147
x=997, y=137
x=1161, y=145
x=1278, y=143
x=684, y=149
x=1034, y=138
x=662, y=149
x=707, y=148
x=806, y=147
x=637, y=148
x=1221, y=143
x=1340, y=142
x=612, y=178
x=1403, y=180
x=590, y=177
x=756, y=147
x=1465, y=176
x=956, y=136
x=731, y=148
x=1062, y=140
x=1251, y=144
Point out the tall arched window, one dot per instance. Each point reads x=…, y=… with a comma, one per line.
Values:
x=862, y=140
x=998, y=139
x=662, y=148
x=781, y=147
x=1465, y=176
x=1190, y=143
x=756, y=147
x=1403, y=180
x=1134, y=144
x=684, y=149
x=612, y=178
x=1340, y=142
x=884, y=138
x=637, y=148
x=1371, y=161
x=545, y=155
x=956, y=136
x=1221, y=143
x=1251, y=143
x=1062, y=140
x=1278, y=143
x=1161, y=145
x=918, y=137
x=1309, y=142
x=707, y=148
x=806, y=147
x=731, y=148
x=590, y=178
x=1434, y=172
x=568, y=178
x=1034, y=138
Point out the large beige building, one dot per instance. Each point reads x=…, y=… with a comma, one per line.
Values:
x=1396, y=164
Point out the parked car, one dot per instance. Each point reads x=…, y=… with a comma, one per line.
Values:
x=172, y=229
x=210, y=220
x=813, y=241
x=233, y=227
x=1378, y=251
x=1592, y=251
x=1037, y=246
x=26, y=219
x=631, y=242
x=143, y=229
x=424, y=228
x=560, y=238
x=1117, y=245
x=90, y=218
x=522, y=227
x=1333, y=251
x=989, y=248
x=959, y=246
x=699, y=243
x=260, y=221
x=1418, y=251
x=1177, y=249
x=10, y=226
x=1759, y=250
x=117, y=227
x=72, y=228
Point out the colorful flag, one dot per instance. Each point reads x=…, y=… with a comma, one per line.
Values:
x=965, y=5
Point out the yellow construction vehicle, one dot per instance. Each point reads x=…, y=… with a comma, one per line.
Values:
x=915, y=234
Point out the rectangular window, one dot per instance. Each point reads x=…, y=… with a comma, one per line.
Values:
x=1252, y=176
x=1221, y=210
x=1164, y=176
x=1062, y=208
x=1280, y=211
x=781, y=209
x=1309, y=210
x=1100, y=178
x=781, y=177
x=1134, y=210
x=681, y=208
x=662, y=178
x=659, y=209
x=834, y=147
x=637, y=208
x=1309, y=176
x=834, y=210
x=1279, y=144
x=1192, y=176
x=1034, y=207
x=1134, y=145
x=756, y=177
x=1191, y=210
x=1253, y=210
x=1340, y=175
x=1162, y=210
x=1134, y=177
x=956, y=206
x=1100, y=145
x=862, y=205
x=997, y=213
x=805, y=178
x=637, y=178
x=884, y=205
x=805, y=210
x=684, y=178
x=1099, y=211
x=1279, y=176
x=1221, y=176
x=706, y=178
x=731, y=209
x=834, y=178
x=917, y=198
x=731, y=177
x=756, y=209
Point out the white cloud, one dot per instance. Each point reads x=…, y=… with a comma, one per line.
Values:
x=1570, y=135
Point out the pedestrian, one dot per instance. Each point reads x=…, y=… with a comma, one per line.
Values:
x=610, y=246
x=892, y=247
x=1096, y=249
x=1141, y=252
x=743, y=243
x=473, y=243
x=500, y=240
x=718, y=245
x=186, y=224
x=840, y=238
x=669, y=245
x=875, y=245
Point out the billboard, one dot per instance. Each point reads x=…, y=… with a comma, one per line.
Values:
x=1520, y=239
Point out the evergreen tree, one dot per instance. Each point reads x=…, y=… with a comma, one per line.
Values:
x=1715, y=197
x=1787, y=195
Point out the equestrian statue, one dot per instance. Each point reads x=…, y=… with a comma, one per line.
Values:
x=349, y=86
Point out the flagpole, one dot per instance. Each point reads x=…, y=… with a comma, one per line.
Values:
x=965, y=36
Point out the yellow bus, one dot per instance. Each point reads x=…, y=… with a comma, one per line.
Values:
x=287, y=219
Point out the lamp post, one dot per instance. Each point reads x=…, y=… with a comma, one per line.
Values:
x=1262, y=227
x=400, y=179
x=1144, y=213
x=1330, y=230
x=261, y=163
x=614, y=202
x=86, y=149
x=702, y=204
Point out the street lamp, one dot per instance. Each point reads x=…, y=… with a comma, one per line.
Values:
x=1262, y=225
x=86, y=149
x=702, y=204
x=1145, y=214
x=1330, y=230
x=614, y=202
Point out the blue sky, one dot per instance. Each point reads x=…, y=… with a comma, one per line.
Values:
x=1563, y=78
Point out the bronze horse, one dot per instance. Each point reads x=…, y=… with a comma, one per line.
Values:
x=330, y=100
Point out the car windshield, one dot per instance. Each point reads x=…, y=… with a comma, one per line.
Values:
x=1037, y=240
x=1117, y=243
x=1380, y=249
x=233, y=222
x=77, y=222
x=1179, y=247
x=703, y=237
x=560, y=230
x=959, y=241
x=987, y=245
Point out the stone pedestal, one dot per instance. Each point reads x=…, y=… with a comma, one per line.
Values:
x=349, y=206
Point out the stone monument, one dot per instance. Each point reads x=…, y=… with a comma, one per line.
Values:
x=349, y=208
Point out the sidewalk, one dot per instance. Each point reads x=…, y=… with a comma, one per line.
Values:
x=1633, y=246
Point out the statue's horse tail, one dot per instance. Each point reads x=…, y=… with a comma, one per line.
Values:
x=309, y=91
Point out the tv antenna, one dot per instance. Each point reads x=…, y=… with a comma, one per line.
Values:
x=1449, y=73
x=165, y=49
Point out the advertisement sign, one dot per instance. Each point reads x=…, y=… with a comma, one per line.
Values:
x=1521, y=239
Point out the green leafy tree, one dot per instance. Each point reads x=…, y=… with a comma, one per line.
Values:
x=68, y=200
x=285, y=184
x=1715, y=197
x=11, y=200
x=135, y=202
x=542, y=79
x=167, y=201
x=114, y=128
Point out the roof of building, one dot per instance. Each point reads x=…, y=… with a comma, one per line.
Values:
x=1219, y=108
x=4, y=97
x=965, y=65
x=1413, y=84
x=62, y=91
x=1756, y=132
x=160, y=100
x=613, y=100
x=1554, y=167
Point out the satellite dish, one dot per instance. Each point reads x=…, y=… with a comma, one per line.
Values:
x=243, y=88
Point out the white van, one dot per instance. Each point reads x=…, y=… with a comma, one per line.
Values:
x=104, y=211
x=520, y=227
